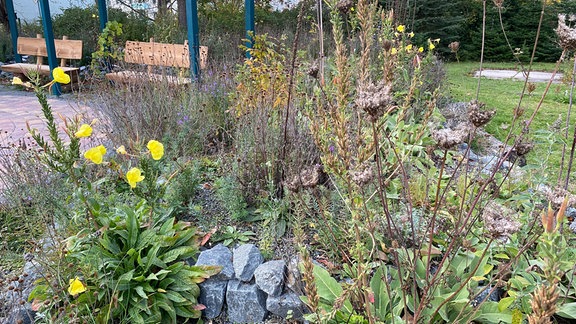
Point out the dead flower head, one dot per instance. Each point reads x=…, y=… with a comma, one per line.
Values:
x=308, y=178
x=523, y=148
x=556, y=197
x=313, y=70
x=447, y=138
x=477, y=115
x=344, y=6
x=499, y=221
x=362, y=175
x=566, y=35
x=375, y=100
x=454, y=47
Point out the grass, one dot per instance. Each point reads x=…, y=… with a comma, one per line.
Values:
x=504, y=95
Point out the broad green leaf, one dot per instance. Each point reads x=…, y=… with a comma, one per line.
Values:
x=381, y=298
x=328, y=288
x=140, y=291
x=504, y=303
x=175, y=297
x=488, y=268
x=567, y=310
x=502, y=256
x=187, y=312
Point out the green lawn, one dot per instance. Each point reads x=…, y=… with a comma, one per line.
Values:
x=504, y=95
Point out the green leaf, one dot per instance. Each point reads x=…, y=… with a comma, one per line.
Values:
x=328, y=288
x=175, y=297
x=182, y=252
x=567, y=310
x=140, y=291
x=381, y=298
x=502, y=256
x=504, y=303
x=187, y=312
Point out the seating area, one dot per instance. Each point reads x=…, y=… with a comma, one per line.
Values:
x=153, y=61
x=66, y=49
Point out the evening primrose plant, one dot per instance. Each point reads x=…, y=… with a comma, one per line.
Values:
x=125, y=261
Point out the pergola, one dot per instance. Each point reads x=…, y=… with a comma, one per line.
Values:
x=191, y=20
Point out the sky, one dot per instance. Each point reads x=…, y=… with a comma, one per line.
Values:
x=28, y=9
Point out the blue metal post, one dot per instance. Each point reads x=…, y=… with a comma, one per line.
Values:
x=249, y=18
x=13, y=29
x=102, y=14
x=193, y=39
x=49, y=37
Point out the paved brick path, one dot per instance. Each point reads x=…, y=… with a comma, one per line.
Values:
x=18, y=107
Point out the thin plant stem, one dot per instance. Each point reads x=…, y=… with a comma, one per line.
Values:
x=566, y=133
x=482, y=48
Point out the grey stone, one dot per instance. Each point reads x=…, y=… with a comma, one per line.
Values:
x=287, y=305
x=246, y=259
x=219, y=256
x=294, y=280
x=270, y=277
x=469, y=154
x=246, y=303
x=212, y=293
x=21, y=315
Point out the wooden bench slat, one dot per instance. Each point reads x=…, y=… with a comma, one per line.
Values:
x=161, y=54
x=66, y=49
x=25, y=67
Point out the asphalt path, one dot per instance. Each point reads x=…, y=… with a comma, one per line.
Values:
x=535, y=76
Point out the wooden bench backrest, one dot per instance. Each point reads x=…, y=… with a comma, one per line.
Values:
x=65, y=49
x=161, y=54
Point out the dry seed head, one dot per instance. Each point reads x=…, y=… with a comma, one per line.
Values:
x=523, y=148
x=454, y=47
x=499, y=221
x=566, y=35
x=543, y=304
x=362, y=175
x=556, y=196
x=498, y=3
x=344, y=6
x=309, y=177
x=477, y=116
x=375, y=100
x=447, y=138
x=313, y=70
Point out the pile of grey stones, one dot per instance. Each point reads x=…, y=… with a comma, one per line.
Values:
x=248, y=288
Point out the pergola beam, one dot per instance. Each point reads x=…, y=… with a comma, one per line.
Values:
x=49, y=38
x=13, y=29
x=193, y=38
x=102, y=14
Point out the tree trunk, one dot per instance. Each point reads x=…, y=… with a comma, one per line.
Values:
x=162, y=8
x=181, y=14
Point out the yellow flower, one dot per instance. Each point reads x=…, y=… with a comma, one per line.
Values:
x=95, y=154
x=75, y=287
x=84, y=131
x=409, y=47
x=401, y=28
x=17, y=81
x=420, y=49
x=60, y=76
x=156, y=149
x=411, y=34
x=431, y=46
x=134, y=176
x=393, y=51
x=121, y=150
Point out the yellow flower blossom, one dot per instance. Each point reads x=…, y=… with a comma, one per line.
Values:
x=420, y=49
x=121, y=150
x=75, y=287
x=393, y=51
x=401, y=28
x=411, y=34
x=17, y=81
x=431, y=46
x=60, y=76
x=134, y=176
x=85, y=130
x=95, y=154
x=156, y=149
x=409, y=47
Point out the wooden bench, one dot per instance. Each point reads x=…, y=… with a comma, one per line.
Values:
x=157, y=54
x=66, y=49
